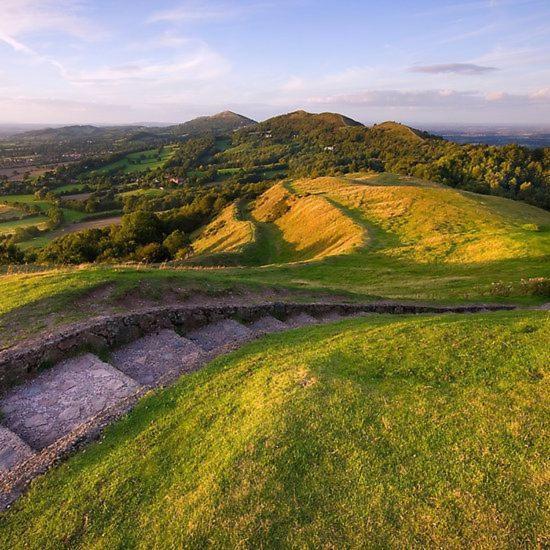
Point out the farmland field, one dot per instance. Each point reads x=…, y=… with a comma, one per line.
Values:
x=135, y=163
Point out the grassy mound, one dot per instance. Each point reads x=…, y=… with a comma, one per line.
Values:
x=427, y=223
x=323, y=437
x=228, y=233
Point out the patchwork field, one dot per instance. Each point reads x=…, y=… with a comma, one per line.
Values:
x=71, y=219
x=326, y=436
x=135, y=163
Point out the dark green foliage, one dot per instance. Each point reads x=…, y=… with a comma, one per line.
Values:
x=152, y=253
x=10, y=254
x=140, y=228
x=175, y=241
x=55, y=217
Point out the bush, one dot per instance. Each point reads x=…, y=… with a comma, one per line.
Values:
x=501, y=289
x=539, y=286
x=152, y=253
x=530, y=227
x=175, y=241
x=11, y=254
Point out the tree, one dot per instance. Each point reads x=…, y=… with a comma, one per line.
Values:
x=140, y=228
x=175, y=241
x=55, y=217
x=152, y=253
x=11, y=254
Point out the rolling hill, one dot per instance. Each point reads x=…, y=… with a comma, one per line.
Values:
x=397, y=217
x=220, y=124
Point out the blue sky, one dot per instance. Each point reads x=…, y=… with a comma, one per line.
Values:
x=424, y=62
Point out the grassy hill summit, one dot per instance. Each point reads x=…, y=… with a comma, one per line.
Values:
x=402, y=130
x=219, y=124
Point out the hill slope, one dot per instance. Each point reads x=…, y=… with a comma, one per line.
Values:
x=226, y=234
x=281, y=227
x=407, y=432
x=219, y=124
x=411, y=220
x=432, y=223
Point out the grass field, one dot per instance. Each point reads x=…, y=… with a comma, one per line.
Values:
x=72, y=219
x=8, y=212
x=74, y=187
x=7, y=228
x=144, y=192
x=408, y=432
x=134, y=163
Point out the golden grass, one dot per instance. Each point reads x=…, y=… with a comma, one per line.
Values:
x=226, y=233
x=310, y=225
x=429, y=223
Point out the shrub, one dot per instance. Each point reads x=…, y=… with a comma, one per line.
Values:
x=152, y=253
x=11, y=254
x=530, y=227
x=539, y=286
x=501, y=289
x=175, y=241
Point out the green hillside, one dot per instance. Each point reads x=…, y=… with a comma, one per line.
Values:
x=396, y=217
x=408, y=432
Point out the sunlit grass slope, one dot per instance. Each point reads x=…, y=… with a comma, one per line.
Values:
x=227, y=233
x=427, y=223
x=304, y=227
x=281, y=227
x=389, y=432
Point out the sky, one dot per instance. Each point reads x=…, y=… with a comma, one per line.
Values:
x=417, y=61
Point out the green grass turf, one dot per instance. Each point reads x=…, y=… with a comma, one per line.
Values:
x=69, y=187
x=151, y=162
x=9, y=227
x=383, y=432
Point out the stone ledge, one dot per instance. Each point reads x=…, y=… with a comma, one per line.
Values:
x=24, y=360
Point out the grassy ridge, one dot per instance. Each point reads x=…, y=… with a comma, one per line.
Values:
x=324, y=437
x=227, y=233
x=310, y=227
x=429, y=223
x=425, y=242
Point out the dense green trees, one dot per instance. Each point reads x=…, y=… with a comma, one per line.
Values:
x=144, y=235
x=316, y=145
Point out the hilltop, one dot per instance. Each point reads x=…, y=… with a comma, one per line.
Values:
x=219, y=124
x=407, y=431
x=406, y=132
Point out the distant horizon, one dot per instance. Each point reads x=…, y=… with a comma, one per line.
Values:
x=420, y=124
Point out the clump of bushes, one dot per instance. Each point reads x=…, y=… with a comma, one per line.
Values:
x=531, y=227
x=537, y=286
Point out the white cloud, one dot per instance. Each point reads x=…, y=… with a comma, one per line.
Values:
x=201, y=65
x=542, y=94
x=202, y=10
x=430, y=98
x=20, y=18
